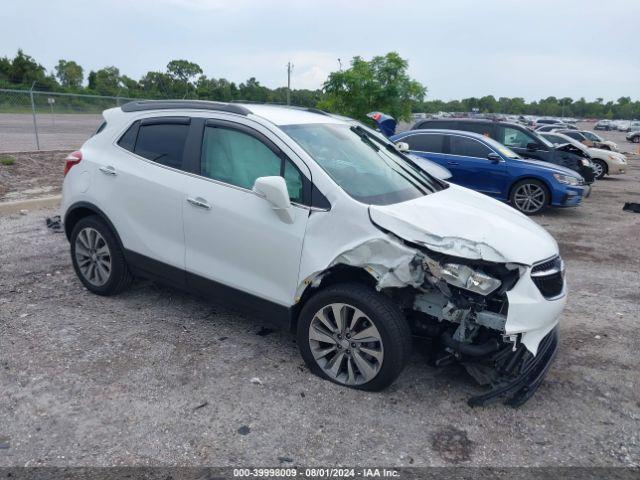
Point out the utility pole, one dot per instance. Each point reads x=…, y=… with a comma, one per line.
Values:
x=289, y=68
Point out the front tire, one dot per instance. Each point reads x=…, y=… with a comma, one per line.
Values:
x=530, y=197
x=600, y=167
x=354, y=336
x=636, y=139
x=97, y=257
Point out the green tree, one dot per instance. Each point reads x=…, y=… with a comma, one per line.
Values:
x=25, y=70
x=182, y=72
x=69, y=73
x=105, y=81
x=380, y=84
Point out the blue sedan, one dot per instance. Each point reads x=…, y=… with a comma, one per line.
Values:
x=480, y=163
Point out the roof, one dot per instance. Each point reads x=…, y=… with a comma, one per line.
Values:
x=277, y=114
x=442, y=130
x=283, y=115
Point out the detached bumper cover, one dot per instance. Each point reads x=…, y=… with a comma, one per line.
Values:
x=520, y=372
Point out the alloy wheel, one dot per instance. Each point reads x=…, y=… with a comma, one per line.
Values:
x=529, y=198
x=599, y=169
x=93, y=256
x=346, y=344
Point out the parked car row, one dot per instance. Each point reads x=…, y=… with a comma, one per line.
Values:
x=504, y=160
x=553, y=166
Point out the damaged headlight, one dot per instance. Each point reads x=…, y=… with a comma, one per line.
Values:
x=466, y=277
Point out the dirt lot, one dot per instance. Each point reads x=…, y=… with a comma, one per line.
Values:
x=58, y=131
x=158, y=377
x=32, y=175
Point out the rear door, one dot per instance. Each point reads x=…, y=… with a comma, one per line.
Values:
x=467, y=157
x=139, y=186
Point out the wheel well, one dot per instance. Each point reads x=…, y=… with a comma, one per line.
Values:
x=81, y=210
x=543, y=182
x=74, y=216
x=332, y=276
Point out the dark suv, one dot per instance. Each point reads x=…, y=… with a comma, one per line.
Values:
x=524, y=142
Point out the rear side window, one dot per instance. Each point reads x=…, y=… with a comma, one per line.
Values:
x=483, y=128
x=128, y=140
x=425, y=142
x=445, y=124
x=467, y=147
x=162, y=143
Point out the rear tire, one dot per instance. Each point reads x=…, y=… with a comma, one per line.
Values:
x=601, y=168
x=530, y=196
x=97, y=257
x=354, y=336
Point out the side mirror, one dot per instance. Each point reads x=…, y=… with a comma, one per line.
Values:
x=274, y=190
x=494, y=157
x=532, y=146
x=402, y=146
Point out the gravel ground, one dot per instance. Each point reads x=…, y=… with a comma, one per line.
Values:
x=32, y=175
x=158, y=377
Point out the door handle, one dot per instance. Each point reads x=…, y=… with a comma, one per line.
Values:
x=109, y=170
x=199, y=202
x=453, y=163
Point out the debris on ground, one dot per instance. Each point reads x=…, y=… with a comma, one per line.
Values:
x=202, y=405
x=631, y=207
x=285, y=460
x=264, y=331
x=4, y=443
x=256, y=381
x=24, y=211
x=244, y=430
x=54, y=224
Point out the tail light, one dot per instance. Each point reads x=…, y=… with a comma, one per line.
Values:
x=72, y=159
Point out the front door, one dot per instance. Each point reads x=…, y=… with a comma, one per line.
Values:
x=473, y=169
x=236, y=244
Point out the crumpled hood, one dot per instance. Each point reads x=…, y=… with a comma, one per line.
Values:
x=463, y=223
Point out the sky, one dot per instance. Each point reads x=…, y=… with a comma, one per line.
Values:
x=456, y=48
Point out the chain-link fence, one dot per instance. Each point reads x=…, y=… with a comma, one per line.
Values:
x=31, y=120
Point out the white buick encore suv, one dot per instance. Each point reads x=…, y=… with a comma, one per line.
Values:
x=320, y=225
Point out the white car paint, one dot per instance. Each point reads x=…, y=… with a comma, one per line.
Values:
x=616, y=162
x=241, y=241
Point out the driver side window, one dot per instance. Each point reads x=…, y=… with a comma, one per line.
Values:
x=512, y=137
x=237, y=158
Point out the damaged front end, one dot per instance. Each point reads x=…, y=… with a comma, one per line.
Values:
x=496, y=319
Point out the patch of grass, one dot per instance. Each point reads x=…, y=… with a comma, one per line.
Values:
x=7, y=160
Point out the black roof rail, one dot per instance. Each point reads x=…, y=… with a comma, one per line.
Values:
x=142, y=105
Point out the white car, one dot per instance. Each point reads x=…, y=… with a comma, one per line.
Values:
x=321, y=226
x=605, y=162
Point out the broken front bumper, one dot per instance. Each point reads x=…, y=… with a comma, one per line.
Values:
x=520, y=372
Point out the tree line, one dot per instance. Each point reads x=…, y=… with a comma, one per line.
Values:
x=379, y=84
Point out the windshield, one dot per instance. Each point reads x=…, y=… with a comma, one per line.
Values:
x=368, y=168
x=542, y=140
x=560, y=139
